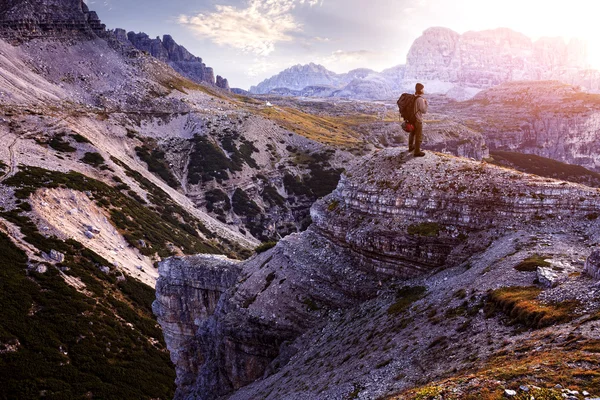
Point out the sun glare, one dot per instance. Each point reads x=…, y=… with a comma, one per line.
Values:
x=536, y=18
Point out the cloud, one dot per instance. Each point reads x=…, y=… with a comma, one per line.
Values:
x=345, y=60
x=254, y=29
x=353, y=56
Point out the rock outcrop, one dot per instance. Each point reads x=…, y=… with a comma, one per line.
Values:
x=201, y=289
x=24, y=20
x=483, y=59
x=391, y=216
x=222, y=83
x=548, y=118
x=592, y=265
x=168, y=51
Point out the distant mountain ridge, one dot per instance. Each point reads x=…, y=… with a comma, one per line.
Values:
x=314, y=80
x=449, y=63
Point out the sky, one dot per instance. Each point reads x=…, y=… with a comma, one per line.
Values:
x=247, y=41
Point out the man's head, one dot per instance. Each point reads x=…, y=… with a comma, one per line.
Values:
x=419, y=88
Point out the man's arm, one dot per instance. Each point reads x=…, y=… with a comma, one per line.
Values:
x=423, y=105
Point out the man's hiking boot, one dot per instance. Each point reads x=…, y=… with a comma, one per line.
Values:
x=411, y=149
x=419, y=154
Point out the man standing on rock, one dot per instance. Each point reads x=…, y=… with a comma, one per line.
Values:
x=416, y=137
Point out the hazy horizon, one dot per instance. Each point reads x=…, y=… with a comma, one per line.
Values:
x=247, y=41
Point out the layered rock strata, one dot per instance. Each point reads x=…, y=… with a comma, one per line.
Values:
x=187, y=295
x=405, y=216
x=26, y=20
x=391, y=216
x=547, y=118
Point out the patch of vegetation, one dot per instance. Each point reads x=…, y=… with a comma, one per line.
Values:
x=425, y=229
x=264, y=247
x=295, y=185
x=522, y=306
x=208, y=162
x=333, y=205
x=94, y=159
x=155, y=159
x=158, y=228
x=272, y=196
x=337, y=131
x=243, y=205
x=217, y=201
x=241, y=155
x=545, y=167
x=532, y=263
x=311, y=304
x=58, y=144
x=71, y=345
x=320, y=181
x=79, y=138
x=405, y=297
x=540, y=371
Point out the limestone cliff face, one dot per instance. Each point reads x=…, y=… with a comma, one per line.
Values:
x=404, y=216
x=187, y=295
x=176, y=56
x=23, y=20
x=549, y=119
x=484, y=59
x=391, y=216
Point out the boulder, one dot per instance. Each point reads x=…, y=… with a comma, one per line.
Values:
x=592, y=265
x=57, y=256
x=547, y=277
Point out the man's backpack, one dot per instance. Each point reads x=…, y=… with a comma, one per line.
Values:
x=406, y=105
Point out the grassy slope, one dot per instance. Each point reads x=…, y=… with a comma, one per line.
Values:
x=69, y=344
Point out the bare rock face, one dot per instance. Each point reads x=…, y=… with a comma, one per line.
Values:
x=391, y=216
x=187, y=294
x=484, y=59
x=24, y=20
x=176, y=56
x=548, y=118
x=592, y=265
x=222, y=83
x=419, y=214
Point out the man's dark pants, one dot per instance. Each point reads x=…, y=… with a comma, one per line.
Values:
x=415, y=138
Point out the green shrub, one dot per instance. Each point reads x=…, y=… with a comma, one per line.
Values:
x=532, y=263
x=264, y=247
x=70, y=345
x=79, y=139
x=426, y=229
x=58, y=144
x=405, y=297
x=155, y=159
x=93, y=159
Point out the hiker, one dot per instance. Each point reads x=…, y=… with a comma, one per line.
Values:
x=416, y=136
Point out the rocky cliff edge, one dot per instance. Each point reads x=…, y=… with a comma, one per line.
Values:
x=258, y=329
